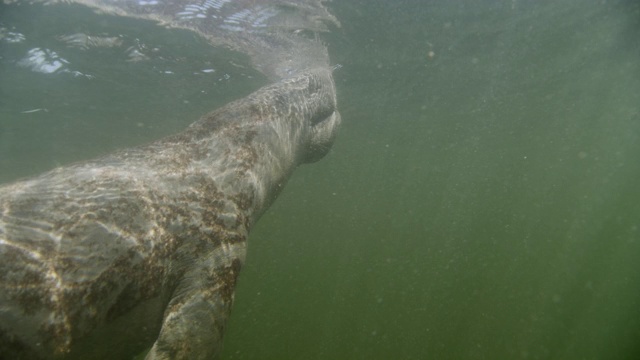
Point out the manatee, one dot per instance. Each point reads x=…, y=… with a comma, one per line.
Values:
x=142, y=248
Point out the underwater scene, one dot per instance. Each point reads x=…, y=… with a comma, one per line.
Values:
x=481, y=199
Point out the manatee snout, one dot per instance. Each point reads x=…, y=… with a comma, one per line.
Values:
x=324, y=118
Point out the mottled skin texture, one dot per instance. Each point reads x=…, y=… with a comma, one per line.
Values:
x=141, y=248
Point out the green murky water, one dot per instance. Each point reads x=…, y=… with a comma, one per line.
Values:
x=482, y=200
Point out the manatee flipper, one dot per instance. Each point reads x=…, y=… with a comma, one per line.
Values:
x=195, y=318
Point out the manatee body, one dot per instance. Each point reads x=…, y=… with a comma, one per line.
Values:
x=105, y=258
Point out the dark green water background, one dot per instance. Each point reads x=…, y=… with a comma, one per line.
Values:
x=481, y=202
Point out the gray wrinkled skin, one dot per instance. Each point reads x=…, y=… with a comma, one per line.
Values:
x=105, y=258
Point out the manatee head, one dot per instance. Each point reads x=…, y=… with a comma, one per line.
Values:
x=321, y=114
